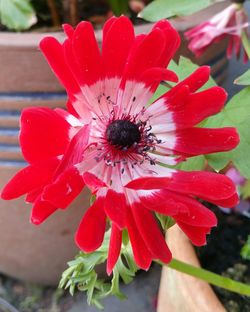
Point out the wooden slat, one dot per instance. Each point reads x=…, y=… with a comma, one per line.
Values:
x=10, y=153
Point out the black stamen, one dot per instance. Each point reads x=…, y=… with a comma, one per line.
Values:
x=123, y=134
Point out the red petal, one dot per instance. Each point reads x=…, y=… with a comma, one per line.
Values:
x=114, y=248
x=64, y=189
x=90, y=233
x=75, y=151
x=87, y=52
x=93, y=182
x=159, y=201
x=30, y=178
x=153, y=76
x=172, y=42
x=33, y=195
x=196, y=234
x=181, y=208
x=142, y=255
x=116, y=208
x=194, y=81
x=107, y=26
x=54, y=54
x=190, y=109
x=228, y=202
x=151, y=233
x=41, y=211
x=44, y=134
x=116, y=46
x=144, y=55
x=206, y=185
x=204, y=104
x=198, y=141
x=68, y=30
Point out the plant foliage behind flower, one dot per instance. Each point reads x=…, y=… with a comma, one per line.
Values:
x=17, y=14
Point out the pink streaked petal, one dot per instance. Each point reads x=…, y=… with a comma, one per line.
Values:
x=44, y=134
x=93, y=182
x=142, y=255
x=230, y=48
x=116, y=46
x=197, y=235
x=116, y=208
x=151, y=233
x=54, y=53
x=114, y=248
x=30, y=178
x=87, y=53
x=90, y=233
x=198, y=141
x=41, y=211
x=66, y=187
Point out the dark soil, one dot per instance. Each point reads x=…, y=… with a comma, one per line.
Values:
x=222, y=255
x=26, y=297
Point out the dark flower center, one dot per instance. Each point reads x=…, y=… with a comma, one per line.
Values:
x=123, y=134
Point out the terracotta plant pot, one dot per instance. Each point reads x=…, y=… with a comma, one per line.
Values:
x=29, y=253
x=180, y=292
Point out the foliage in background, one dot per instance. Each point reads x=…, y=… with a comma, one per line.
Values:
x=245, y=251
x=244, y=79
x=159, y=9
x=118, y=7
x=17, y=14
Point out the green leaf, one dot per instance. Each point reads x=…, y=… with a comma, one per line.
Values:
x=245, y=251
x=245, y=190
x=235, y=114
x=17, y=14
x=159, y=9
x=193, y=163
x=243, y=79
x=165, y=221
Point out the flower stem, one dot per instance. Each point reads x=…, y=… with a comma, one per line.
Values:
x=245, y=42
x=210, y=277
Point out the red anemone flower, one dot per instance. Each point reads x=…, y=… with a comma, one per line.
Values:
x=112, y=142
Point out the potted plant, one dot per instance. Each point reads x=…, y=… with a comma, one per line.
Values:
x=32, y=83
